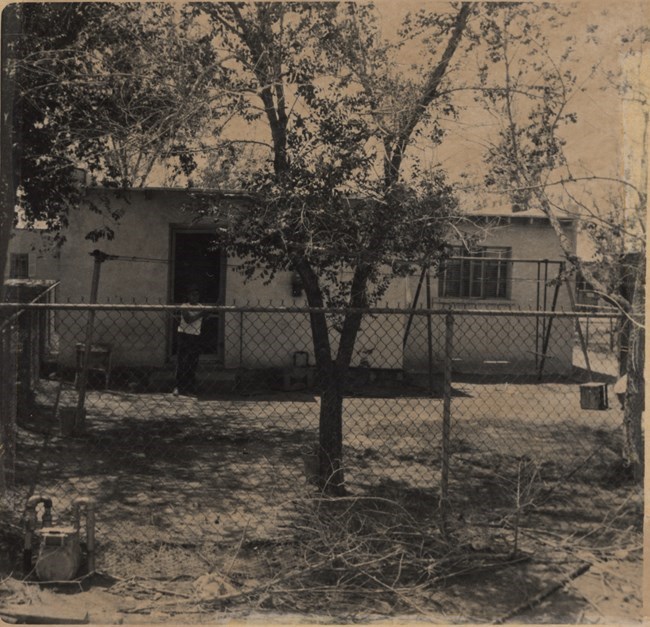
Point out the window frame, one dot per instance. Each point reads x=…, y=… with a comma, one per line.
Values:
x=469, y=268
x=19, y=266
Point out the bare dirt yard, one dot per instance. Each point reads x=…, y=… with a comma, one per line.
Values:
x=204, y=513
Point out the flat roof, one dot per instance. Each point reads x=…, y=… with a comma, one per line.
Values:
x=494, y=211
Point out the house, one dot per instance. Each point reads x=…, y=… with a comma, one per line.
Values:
x=159, y=246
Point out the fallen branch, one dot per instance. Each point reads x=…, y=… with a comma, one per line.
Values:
x=234, y=557
x=30, y=618
x=267, y=586
x=537, y=599
x=132, y=581
x=398, y=594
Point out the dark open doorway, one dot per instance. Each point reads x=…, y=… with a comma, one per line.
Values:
x=197, y=262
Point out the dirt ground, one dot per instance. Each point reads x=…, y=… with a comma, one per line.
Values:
x=609, y=592
x=204, y=514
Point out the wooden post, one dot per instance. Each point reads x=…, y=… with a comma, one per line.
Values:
x=409, y=322
x=80, y=415
x=583, y=344
x=547, y=331
x=544, y=301
x=446, y=421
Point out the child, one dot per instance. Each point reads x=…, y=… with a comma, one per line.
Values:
x=189, y=345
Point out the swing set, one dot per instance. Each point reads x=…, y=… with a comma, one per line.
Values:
x=543, y=322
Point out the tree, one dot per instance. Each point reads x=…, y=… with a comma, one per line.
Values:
x=10, y=27
x=322, y=75
x=116, y=90
x=530, y=164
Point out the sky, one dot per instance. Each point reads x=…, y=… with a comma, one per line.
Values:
x=605, y=141
x=606, y=138
x=607, y=129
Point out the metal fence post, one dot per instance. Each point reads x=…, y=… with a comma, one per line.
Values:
x=430, y=338
x=241, y=338
x=4, y=409
x=80, y=415
x=446, y=420
x=8, y=401
x=24, y=369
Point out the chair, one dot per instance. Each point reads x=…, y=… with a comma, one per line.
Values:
x=99, y=360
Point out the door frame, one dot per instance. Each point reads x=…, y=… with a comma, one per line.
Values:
x=174, y=229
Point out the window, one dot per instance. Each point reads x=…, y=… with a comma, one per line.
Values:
x=585, y=294
x=19, y=266
x=480, y=273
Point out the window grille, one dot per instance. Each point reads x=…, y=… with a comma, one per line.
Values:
x=19, y=266
x=479, y=273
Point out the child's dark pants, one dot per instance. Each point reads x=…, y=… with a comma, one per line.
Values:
x=189, y=349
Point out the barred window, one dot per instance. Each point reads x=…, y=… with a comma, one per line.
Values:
x=19, y=266
x=480, y=273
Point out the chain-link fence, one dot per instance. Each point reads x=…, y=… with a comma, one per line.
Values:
x=25, y=340
x=470, y=404
x=8, y=397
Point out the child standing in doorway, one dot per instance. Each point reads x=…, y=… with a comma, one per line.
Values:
x=189, y=345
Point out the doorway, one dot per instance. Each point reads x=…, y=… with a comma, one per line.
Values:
x=196, y=261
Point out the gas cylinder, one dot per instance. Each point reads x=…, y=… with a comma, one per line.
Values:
x=59, y=555
x=59, y=547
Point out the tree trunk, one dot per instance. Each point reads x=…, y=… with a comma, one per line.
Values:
x=330, y=429
x=635, y=392
x=330, y=426
x=332, y=373
x=10, y=30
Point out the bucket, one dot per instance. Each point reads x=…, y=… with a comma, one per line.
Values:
x=593, y=396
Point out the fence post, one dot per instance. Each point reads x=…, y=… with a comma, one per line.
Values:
x=8, y=401
x=446, y=421
x=80, y=415
x=4, y=409
x=241, y=338
x=25, y=397
x=430, y=338
x=583, y=344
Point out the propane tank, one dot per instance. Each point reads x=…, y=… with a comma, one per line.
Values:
x=59, y=555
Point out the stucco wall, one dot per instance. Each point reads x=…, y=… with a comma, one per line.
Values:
x=493, y=344
x=483, y=343
x=43, y=254
x=141, y=222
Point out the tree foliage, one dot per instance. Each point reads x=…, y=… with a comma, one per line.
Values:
x=333, y=130
x=529, y=163
x=333, y=204
x=113, y=89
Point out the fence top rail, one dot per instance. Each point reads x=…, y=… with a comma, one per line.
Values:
x=15, y=313
x=13, y=307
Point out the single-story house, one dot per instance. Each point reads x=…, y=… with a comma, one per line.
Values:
x=161, y=247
